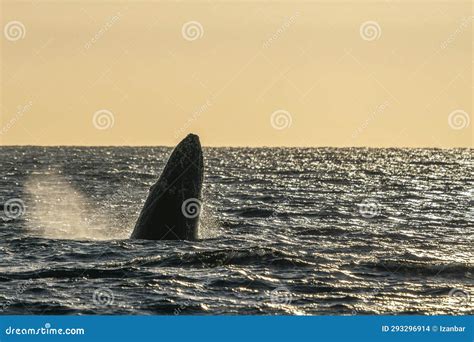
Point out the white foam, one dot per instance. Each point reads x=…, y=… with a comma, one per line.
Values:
x=57, y=210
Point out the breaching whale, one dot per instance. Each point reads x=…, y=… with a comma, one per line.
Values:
x=171, y=211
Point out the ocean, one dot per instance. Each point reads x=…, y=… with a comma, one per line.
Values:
x=284, y=231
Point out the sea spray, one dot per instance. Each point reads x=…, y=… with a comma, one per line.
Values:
x=58, y=210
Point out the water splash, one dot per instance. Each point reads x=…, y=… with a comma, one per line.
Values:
x=208, y=222
x=58, y=210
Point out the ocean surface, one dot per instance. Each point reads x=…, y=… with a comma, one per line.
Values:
x=323, y=231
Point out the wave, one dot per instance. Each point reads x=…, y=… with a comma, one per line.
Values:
x=74, y=272
x=210, y=259
x=252, y=212
x=453, y=270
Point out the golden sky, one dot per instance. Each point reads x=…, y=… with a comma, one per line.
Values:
x=238, y=73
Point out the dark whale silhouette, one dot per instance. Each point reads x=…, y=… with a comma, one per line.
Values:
x=171, y=211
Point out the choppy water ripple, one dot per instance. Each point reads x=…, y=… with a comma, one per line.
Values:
x=284, y=231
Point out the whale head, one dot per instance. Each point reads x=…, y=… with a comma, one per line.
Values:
x=172, y=209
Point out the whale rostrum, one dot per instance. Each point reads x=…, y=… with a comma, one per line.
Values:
x=173, y=206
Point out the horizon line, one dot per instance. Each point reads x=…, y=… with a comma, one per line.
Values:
x=260, y=146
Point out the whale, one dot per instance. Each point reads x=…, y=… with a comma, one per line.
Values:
x=173, y=206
